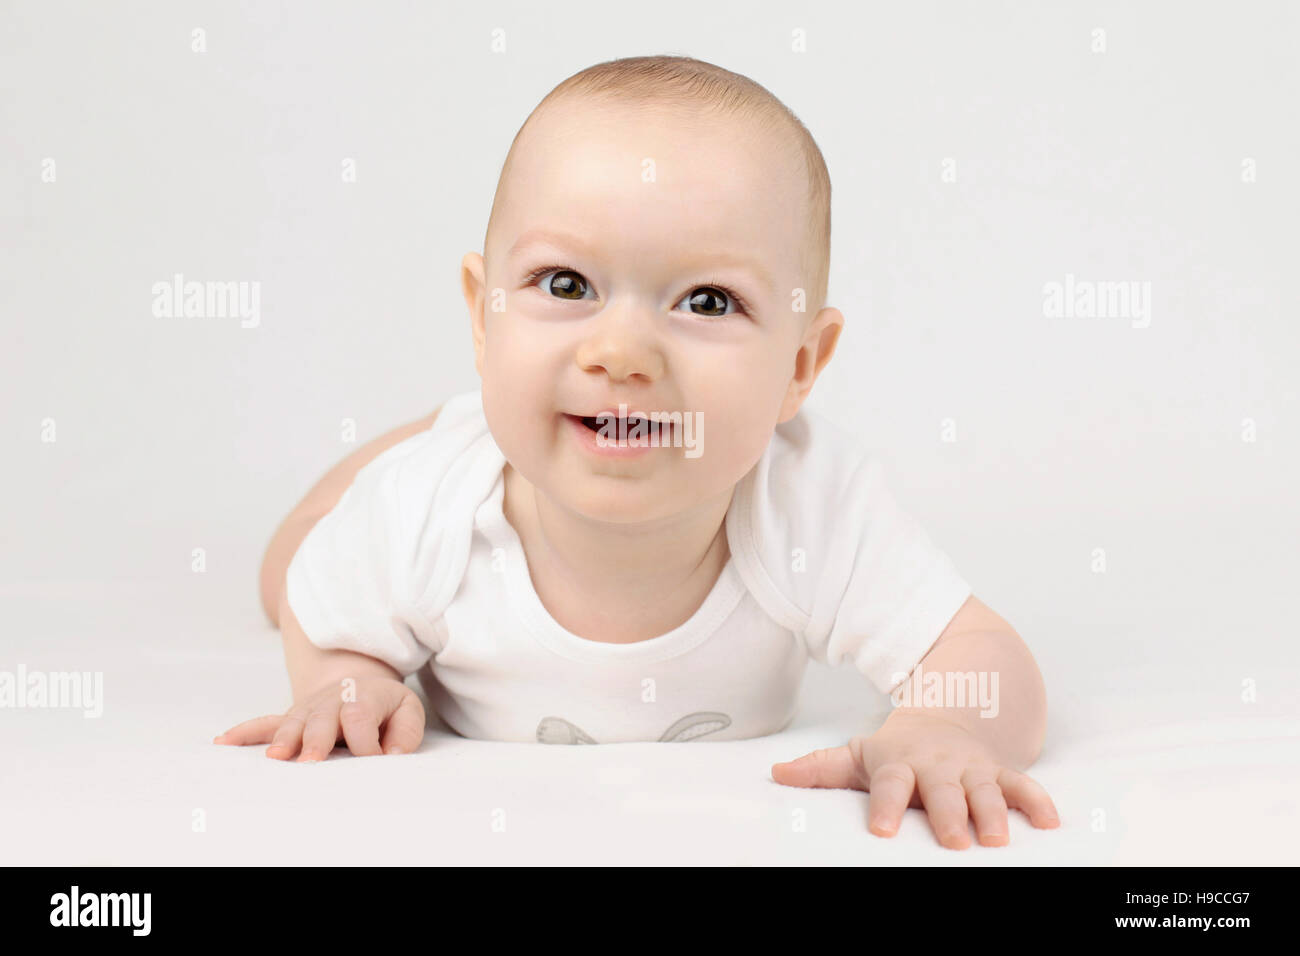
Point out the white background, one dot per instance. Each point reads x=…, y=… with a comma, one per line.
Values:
x=1072, y=434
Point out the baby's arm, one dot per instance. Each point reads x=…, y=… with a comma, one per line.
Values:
x=324, y=496
x=947, y=757
x=336, y=693
x=978, y=640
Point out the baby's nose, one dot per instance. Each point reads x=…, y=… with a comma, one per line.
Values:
x=624, y=347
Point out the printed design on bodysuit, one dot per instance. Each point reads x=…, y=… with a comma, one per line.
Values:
x=557, y=730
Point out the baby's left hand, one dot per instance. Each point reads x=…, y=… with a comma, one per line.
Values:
x=926, y=762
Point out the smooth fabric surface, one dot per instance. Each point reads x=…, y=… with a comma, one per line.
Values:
x=1175, y=769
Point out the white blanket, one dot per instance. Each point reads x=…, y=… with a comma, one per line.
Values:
x=1146, y=765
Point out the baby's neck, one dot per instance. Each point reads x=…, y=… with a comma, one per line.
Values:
x=611, y=583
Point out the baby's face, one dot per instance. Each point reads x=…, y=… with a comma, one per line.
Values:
x=617, y=232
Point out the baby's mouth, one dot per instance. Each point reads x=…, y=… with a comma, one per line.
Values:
x=613, y=426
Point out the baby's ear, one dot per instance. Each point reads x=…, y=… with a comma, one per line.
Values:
x=473, y=285
x=815, y=351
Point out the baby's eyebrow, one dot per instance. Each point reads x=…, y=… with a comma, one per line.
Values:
x=535, y=237
x=550, y=237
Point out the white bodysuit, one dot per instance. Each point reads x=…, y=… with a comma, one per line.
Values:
x=416, y=565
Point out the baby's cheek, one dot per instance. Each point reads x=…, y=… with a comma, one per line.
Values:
x=503, y=416
x=727, y=444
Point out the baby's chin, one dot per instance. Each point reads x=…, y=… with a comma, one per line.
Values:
x=614, y=492
x=615, y=502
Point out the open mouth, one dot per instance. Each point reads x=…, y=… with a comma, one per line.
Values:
x=637, y=424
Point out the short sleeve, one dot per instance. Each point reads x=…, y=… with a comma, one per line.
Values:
x=827, y=550
x=376, y=574
x=888, y=592
x=342, y=584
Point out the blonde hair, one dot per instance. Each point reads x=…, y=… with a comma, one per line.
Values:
x=682, y=81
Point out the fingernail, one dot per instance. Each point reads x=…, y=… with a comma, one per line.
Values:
x=394, y=749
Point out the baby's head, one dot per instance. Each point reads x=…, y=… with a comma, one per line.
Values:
x=660, y=239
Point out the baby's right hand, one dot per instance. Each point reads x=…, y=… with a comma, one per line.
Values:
x=352, y=710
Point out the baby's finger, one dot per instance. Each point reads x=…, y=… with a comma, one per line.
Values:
x=834, y=768
x=891, y=788
x=1027, y=795
x=405, y=730
x=987, y=807
x=285, y=743
x=320, y=734
x=259, y=730
x=945, y=802
x=360, y=729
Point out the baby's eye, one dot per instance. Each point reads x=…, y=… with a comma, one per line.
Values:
x=710, y=301
x=565, y=284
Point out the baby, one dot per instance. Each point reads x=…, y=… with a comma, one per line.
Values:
x=633, y=530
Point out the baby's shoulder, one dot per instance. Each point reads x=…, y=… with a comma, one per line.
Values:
x=412, y=508
x=447, y=468
x=814, y=459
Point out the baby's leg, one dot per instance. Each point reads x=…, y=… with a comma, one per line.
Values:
x=317, y=504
